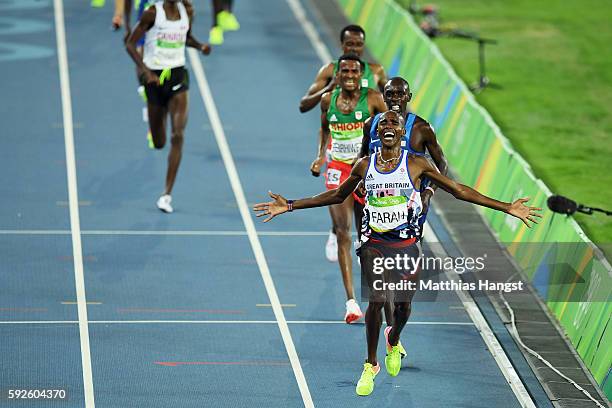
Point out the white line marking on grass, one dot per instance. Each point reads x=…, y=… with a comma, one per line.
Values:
x=73, y=200
x=232, y=173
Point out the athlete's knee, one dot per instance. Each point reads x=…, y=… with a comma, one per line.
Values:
x=177, y=138
x=403, y=308
x=343, y=233
x=376, y=303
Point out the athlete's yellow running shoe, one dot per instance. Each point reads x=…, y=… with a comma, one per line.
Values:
x=365, y=385
x=399, y=343
x=150, y=140
x=97, y=3
x=215, y=37
x=393, y=360
x=228, y=21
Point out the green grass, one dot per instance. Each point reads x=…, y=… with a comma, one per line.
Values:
x=554, y=62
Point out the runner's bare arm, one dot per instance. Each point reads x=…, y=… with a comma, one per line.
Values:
x=280, y=205
x=462, y=192
x=315, y=167
x=127, y=15
x=430, y=143
x=376, y=102
x=322, y=83
x=191, y=40
x=433, y=147
x=365, y=140
x=146, y=22
x=380, y=75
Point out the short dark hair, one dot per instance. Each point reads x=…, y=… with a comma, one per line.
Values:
x=351, y=57
x=398, y=79
x=353, y=29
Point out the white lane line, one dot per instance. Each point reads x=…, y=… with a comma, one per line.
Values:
x=73, y=200
x=232, y=173
x=168, y=233
x=324, y=322
x=310, y=31
x=497, y=351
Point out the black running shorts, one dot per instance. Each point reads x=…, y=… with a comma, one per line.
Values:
x=161, y=94
x=389, y=270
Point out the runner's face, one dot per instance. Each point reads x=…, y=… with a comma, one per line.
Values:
x=391, y=129
x=353, y=43
x=397, y=97
x=349, y=75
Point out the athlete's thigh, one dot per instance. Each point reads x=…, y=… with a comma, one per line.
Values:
x=373, y=275
x=342, y=214
x=178, y=107
x=157, y=121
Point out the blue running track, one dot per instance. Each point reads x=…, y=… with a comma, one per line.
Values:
x=178, y=312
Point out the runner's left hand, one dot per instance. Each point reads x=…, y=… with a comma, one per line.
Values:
x=117, y=22
x=205, y=48
x=271, y=208
x=523, y=212
x=315, y=167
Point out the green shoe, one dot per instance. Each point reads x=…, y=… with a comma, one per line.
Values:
x=97, y=3
x=215, y=37
x=401, y=349
x=399, y=343
x=365, y=385
x=393, y=361
x=150, y=140
x=228, y=21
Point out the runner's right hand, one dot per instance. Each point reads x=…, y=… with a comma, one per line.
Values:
x=151, y=78
x=315, y=167
x=272, y=208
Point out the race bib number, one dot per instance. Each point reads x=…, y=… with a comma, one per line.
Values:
x=388, y=213
x=333, y=177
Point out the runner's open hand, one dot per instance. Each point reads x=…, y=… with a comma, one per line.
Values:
x=271, y=208
x=523, y=212
x=315, y=167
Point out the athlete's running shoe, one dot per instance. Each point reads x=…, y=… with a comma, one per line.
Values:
x=393, y=360
x=215, y=37
x=353, y=312
x=228, y=21
x=399, y=343
x=163, y=203
x=365, y=385
x=331, y=247
x=150, y=140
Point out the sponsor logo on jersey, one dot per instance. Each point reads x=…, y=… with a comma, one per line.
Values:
x=333, y=118
x=358, y=115
x=364, y=83
x=343, y=127
x=370, y=177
